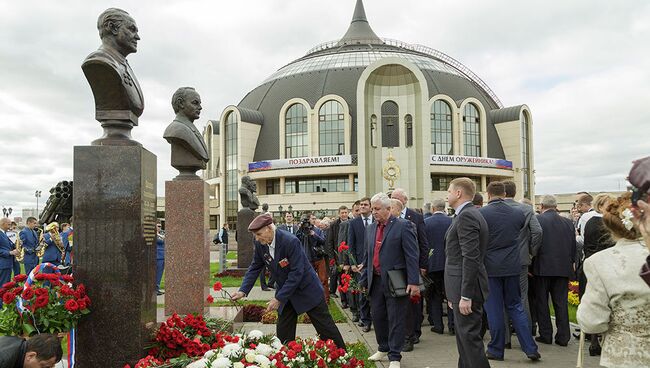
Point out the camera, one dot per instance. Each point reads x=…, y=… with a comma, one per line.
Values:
x=305, y=225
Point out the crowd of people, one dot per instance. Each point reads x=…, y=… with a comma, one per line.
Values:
x=501, y=266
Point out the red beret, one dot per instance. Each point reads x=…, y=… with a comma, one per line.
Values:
x=260, y=221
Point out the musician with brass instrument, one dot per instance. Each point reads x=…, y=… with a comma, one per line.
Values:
x=29, y=239
x=7, y=252
x=13, y=237
x=54, y=247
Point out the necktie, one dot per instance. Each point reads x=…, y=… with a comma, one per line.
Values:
x=375, y=256
x=365, y=220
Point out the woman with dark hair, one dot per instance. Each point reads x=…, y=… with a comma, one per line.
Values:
x=596, y=238
x=616, y=300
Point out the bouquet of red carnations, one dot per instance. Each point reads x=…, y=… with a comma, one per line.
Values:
x=48, y=303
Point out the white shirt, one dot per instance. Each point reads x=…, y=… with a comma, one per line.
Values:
x=582, y=222
x=403, y=213
x=272, y=247
x=366, y=220
x=462, y=205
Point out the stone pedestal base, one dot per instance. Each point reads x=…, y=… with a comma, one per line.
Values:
x=115, y=252
x=187, y=250
x=244, y=237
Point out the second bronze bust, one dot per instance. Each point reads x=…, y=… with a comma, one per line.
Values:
x=189, y=152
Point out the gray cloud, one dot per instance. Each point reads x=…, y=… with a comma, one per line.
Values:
x=580, y=65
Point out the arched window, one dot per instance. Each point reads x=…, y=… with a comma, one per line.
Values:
x=408, y=122
x=230, y=150
x=296, y=131
x=442, y=142
x=389, y=124
x=331, y=128
x=472, y=131
x=525, y=153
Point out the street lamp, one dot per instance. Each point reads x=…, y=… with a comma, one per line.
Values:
x=37, y=194
x=280, y=208
x=290, y=209
x=4, y=212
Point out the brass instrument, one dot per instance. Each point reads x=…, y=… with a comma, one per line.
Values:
x=19, y=247
x=40, y=248
x=53, y=229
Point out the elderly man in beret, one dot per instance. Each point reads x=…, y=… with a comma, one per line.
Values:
x=298, y=288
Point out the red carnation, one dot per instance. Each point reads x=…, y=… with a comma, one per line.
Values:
x=41, y=291
x=217, y=286
x=8, y=298
x=67, y=278
x=312, y=355
x=210, y=299
x=82, y=304
x=343, y=247
x=321, y=363
x=41, y=301
x=415, y=299
x=40, y=277
x=332, y=262
x=71, y=305
x=20, y=277
x=28, y=293
x=9, y=285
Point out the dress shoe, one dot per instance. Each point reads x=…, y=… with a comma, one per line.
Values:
x=159, y=293
x=360, y=324
x=493, y=357
x=355, y=318
x=543, y=340
x=408, y=346
x=394, y=364
x=380, y=355
x=534, y=356
x=265, y=288
x=439, y=331
x=415, y=340
x=508, y=345
x=561, y=343
x=452, y=331
x=595, y=350
x=365, y=329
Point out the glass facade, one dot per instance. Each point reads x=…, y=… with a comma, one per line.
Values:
x=359, y=59
x=472, y=131
x=389, y=124
x=442, y=140
x=295, y=133
x=441, y=182
x=525, y=154
x=272, y=186
x=312, y=185
x=331, y=129
x=230, y=150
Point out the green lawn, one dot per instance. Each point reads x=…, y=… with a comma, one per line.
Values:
x=337, y=314
x=360, y=351
x=227, y=281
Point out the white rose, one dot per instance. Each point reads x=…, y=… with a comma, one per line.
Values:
x=201, y=363
x=221, y=363
x=238, y=365
x=263, y=361
x=255, y=334
x=209, y=354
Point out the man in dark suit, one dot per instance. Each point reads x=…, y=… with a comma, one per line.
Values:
x=435, y=228
x=465, y=276
x=29, y=238
x=331, y=247
x=503, y=266
x=356, y=241
x=8, y=252
x=392, y=245
x=530, y=239
x=52, y=238
x=552, y=267
x=414, y=319
x=298, y=288
x=288, y=225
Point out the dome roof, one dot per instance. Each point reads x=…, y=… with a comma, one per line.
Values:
x=335, y=68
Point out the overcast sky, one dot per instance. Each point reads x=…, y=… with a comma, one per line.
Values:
x=583, y=67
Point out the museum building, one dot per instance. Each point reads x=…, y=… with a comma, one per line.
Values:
x=360, y=115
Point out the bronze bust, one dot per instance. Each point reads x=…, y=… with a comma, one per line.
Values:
x=118, y=97
x=189, y=152
x=247, y=193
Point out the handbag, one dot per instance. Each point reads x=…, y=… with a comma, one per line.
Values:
x=397, y=283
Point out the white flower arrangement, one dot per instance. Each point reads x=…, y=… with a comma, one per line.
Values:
x=265, y=349
x=221, y=363
x=255, y=335
x=201, y=363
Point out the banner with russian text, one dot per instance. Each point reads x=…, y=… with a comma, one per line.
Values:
x=292, y=163
x=470, y=161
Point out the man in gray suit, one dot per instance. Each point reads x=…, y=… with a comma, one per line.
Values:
x=466, y=281
x=530, y=239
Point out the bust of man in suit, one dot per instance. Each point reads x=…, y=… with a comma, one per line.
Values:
x=247, y=193
x=118, y=97
x=189, y=152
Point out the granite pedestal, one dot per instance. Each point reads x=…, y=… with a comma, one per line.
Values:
x=187, y=250
x=115, y=252
x=244, y=237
